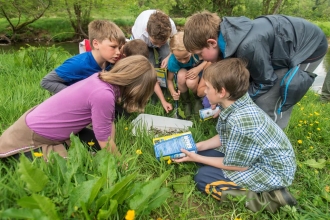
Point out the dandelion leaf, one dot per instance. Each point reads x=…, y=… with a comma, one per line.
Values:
x=140, y=200
x=23, y=213
x=325, y=195
x=81, y=194
x=34, y=178
x=120, y=185
x=96, y=189
x=105, y=213
x=181, y=113
x=320, y=164
x=180, y=185
x=158, y=199
x=106, y=165
x=39, y=202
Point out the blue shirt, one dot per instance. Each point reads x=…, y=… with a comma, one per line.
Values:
x=250, y=138
x=79, y=67
x=174, y=65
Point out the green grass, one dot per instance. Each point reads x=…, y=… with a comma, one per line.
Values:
x=308, y=131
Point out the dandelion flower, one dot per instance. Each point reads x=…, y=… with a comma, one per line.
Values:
x=319, y=129
x=299, y=125
x=169, y=161
x=302, y=108
x=159, y=219
x=37, y=154
x=327, y=188
x=130, y=215
x=91, y=143
x=311, y=147
x=238, y=218
x=311, y=124
x=138, y=152
x=316, y=122
x=299, y=141
x=316, y=113
x=126, y=128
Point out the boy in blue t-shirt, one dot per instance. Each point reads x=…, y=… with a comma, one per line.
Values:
x=106, y=39
x=187, y=69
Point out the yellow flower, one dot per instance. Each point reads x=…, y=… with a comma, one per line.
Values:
x=298, y=103
x=130, y=215
x=311, y=124
x=316, y=113
x=327, y=188
x=319, y=129
x=299, y=141
x=299, y=125
x=300, y=121
x=159, y=219
x=302, y=108
x=311, y=114
x=316, y=171
x=238, y=218
x=305, y=122
x=37, y=154
x=316, y=122
x=169, y=161
x=138, y=152
x=311, y=147
x=126, y=128
x=91, y=143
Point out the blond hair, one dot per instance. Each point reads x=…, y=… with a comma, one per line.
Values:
x=136, y=47
x=137, y=78
x=105, y=29
x=159, y=26
x=199, y=28
x=230, y=74
x=176, y=42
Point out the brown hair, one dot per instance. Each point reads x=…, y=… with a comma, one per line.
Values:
x=159, y=26
x=199, y=28
x=137, y=78
x=136, y=47
x=176, y=42
x=104, y=29
x=230, y=74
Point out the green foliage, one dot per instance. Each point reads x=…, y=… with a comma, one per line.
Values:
x=34, y=178
x=39, y=58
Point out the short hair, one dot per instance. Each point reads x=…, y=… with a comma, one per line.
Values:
x=176, y=42
x=137, y=77
x=199, y=28
x=159, y=26
x=230, y=74
x=105, y=29
x=136, y=47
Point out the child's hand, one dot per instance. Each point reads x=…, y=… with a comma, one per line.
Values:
x=167, y=106
x=217, y=113
x=176, y=95
x=190, y=157
x=164, y=62
x=192, y=73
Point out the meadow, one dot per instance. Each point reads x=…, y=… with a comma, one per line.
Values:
x=101, y=186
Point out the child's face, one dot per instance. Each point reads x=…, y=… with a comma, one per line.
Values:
x=182, y=56
x=210, y=53
x=108, y=50
x=212, y=95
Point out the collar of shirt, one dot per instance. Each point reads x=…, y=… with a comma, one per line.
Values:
x=225, y=112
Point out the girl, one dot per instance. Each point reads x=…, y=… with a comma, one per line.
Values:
x=47, y=127
x=187, y=70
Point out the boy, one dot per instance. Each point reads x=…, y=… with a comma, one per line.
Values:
x=106, y=39
x=271, y=44
x=135, y=47
x=154, y=28
x=250, y=151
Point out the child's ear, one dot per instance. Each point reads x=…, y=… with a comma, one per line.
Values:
x=95, y=44
x=212, y=43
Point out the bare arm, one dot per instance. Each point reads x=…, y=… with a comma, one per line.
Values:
x=167, y=106
x=110, y=145
x=53, y=83
x=211, y=143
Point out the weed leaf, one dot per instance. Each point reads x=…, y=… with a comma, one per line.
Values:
x=105, y=213
x=159, y=198
x=34, y=178
x=180, y=185
x=120, y=185
x=141, y=199
x=318, y=165
x=39, y=202
x=23, y=214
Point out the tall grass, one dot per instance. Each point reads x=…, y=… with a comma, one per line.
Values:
x=308, y=131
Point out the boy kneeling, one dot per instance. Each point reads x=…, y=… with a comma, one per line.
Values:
x=250, y=151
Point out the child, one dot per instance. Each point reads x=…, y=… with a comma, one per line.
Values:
x=154, y=27
x=325, y=92
x=48, y=126
x=106, y=39
x=250, y=151
x=186, y=68
x=135, y=47
x=270, y=44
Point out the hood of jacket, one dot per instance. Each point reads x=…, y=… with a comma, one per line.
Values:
x=234, y=30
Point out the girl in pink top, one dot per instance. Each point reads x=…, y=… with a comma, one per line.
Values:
x=48, y=126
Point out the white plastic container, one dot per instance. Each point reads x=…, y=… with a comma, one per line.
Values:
x=162, y=123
